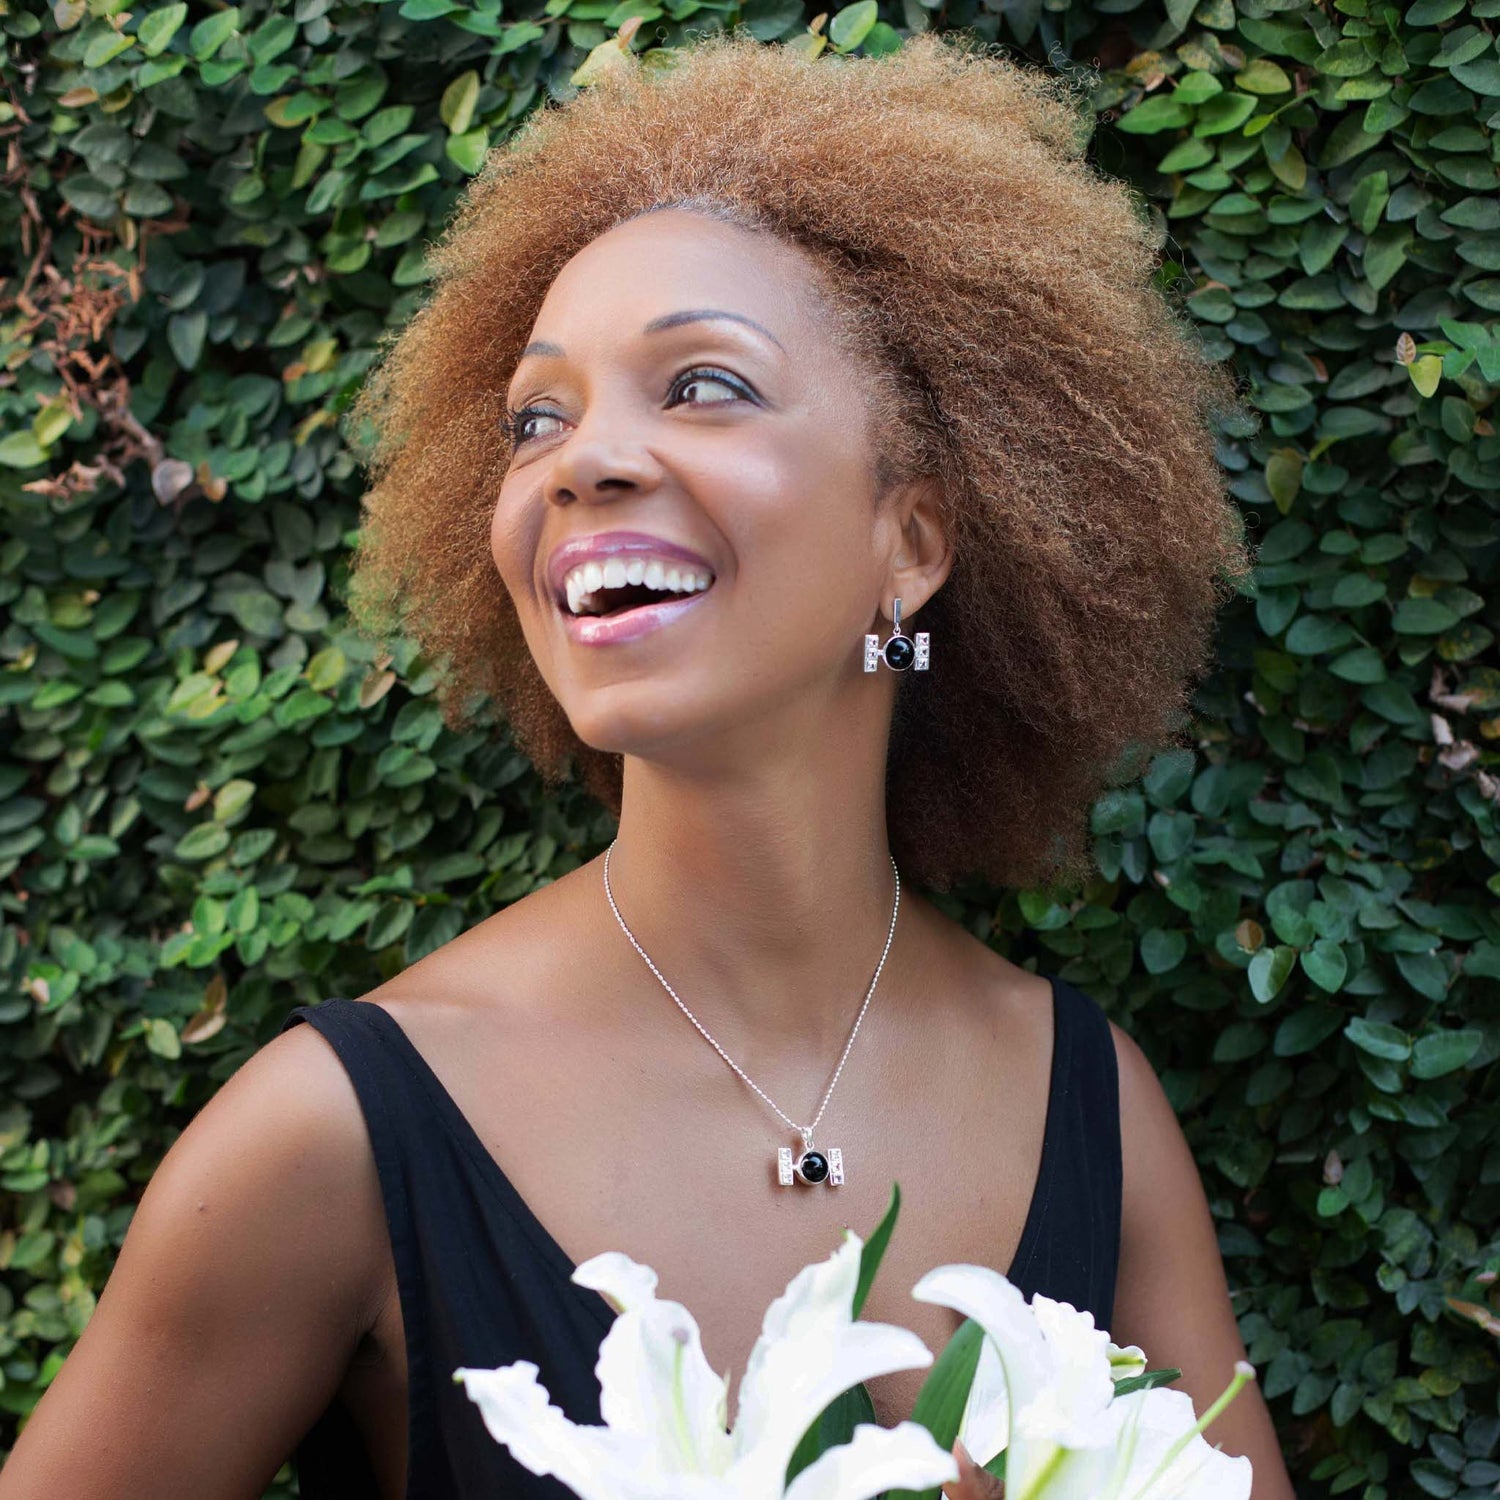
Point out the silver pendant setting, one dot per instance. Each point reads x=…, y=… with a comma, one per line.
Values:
x=900, y=653
x=811, y=1167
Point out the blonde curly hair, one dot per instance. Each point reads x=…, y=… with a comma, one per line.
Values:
x=999, y=293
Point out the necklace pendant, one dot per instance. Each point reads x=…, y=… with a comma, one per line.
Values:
x=811, y=1167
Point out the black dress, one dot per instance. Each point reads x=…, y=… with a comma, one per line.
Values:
x=482, y=1282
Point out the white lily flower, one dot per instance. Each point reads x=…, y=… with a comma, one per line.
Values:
x=1044, y=1392
x=665, y=1429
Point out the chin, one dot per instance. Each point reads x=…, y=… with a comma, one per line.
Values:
x=625, y=721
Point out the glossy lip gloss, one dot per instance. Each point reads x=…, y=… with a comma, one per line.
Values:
x=609, y=630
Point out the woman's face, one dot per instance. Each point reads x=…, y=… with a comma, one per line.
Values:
x=688, y=525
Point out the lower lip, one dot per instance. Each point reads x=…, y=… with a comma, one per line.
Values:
x=611, y=630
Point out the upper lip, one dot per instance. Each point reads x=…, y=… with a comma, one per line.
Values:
x=581, y=549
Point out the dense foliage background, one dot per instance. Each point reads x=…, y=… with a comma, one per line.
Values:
x=216, y=803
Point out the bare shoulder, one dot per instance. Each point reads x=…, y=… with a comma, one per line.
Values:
x=286, y=1135
x=516, y=969
x=245, y=1283
x=1009, y=1004
x=1152, y=1140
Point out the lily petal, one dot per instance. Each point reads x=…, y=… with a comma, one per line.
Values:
x=654, y=1380
x=999, y=1308
x=1199, y=1472
x=985, y=1428
x=623, y=1283
x=1053, y=1371
x=808, y=1373
x=875, y=1459
x=1068, y=1412
x=515, y=1408
x=809, y=1351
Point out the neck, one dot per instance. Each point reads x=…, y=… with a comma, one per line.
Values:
x=761, y=888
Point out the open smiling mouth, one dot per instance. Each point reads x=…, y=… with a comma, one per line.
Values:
x=617, y=586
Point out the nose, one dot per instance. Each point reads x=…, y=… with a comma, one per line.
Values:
x=600, y=460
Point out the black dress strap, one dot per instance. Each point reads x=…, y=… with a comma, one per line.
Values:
x=1071, y=1250
x=476, y=1285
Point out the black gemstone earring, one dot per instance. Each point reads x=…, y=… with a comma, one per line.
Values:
x=900, y=652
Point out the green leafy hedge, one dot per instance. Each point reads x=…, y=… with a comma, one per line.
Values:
x=218, y=803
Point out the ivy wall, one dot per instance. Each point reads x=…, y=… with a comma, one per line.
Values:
x=217, y=803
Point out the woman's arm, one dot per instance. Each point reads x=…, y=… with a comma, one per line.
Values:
x=243, y=1286
x=1171, y=1296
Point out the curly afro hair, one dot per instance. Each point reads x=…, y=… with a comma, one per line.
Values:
x=999, y=291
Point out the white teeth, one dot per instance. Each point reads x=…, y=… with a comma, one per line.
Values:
x=583, y=585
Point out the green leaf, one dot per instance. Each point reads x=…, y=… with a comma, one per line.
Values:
x=20, y=450
x=202, y=842
x=208, y=36
x=1441, y=1052
x=1227, y=111
x=468, y=151
x=158, y=27
x=1482, y=75
x=185, y=334
x=1154, y=115
x=851, y=25
x=1385, y=250
x=1306, y=1028
x=944, y=1394
x=1347, y=140
x=1422, y=617
x=1187, y=155
x=162, y=1038
x=874, y=1249
x=1196, y=87
x=1162, y=949
x=1379, y=1039
x=1425, y=973
x=1269, y=970
x=105, y=47
x=1314, y=634
x=456, y=108
x=1263, y=76
x=1147, y=1380
x=832, y=1428
x=1325, y=964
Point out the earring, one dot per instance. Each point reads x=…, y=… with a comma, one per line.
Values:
x=900, y=651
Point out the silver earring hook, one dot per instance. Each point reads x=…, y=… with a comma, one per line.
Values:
x=896, y=614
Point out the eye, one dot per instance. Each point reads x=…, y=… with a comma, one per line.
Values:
x=515, y=423
x=707, y=376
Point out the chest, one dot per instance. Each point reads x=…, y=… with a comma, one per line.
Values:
x=673, y=1177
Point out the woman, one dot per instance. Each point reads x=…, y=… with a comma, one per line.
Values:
x=723, y=362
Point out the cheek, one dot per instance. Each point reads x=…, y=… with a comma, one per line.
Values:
x=803, y=525
x=513, y=549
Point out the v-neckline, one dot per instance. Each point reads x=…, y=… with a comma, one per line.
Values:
x=563, y=1264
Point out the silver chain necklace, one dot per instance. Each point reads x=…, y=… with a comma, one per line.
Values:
x=812, y=1166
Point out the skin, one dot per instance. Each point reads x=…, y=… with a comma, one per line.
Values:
x=256, y=1284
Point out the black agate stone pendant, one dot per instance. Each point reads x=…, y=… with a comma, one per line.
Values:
x=900, y=653
x=811, y=1167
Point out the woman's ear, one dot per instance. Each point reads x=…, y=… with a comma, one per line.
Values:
x=923, y=555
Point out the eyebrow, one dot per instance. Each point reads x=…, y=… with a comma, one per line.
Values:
x=657, y=325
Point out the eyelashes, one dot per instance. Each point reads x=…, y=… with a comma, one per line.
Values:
x=513, y=422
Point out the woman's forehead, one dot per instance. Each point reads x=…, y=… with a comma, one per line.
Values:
x=669, y=264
